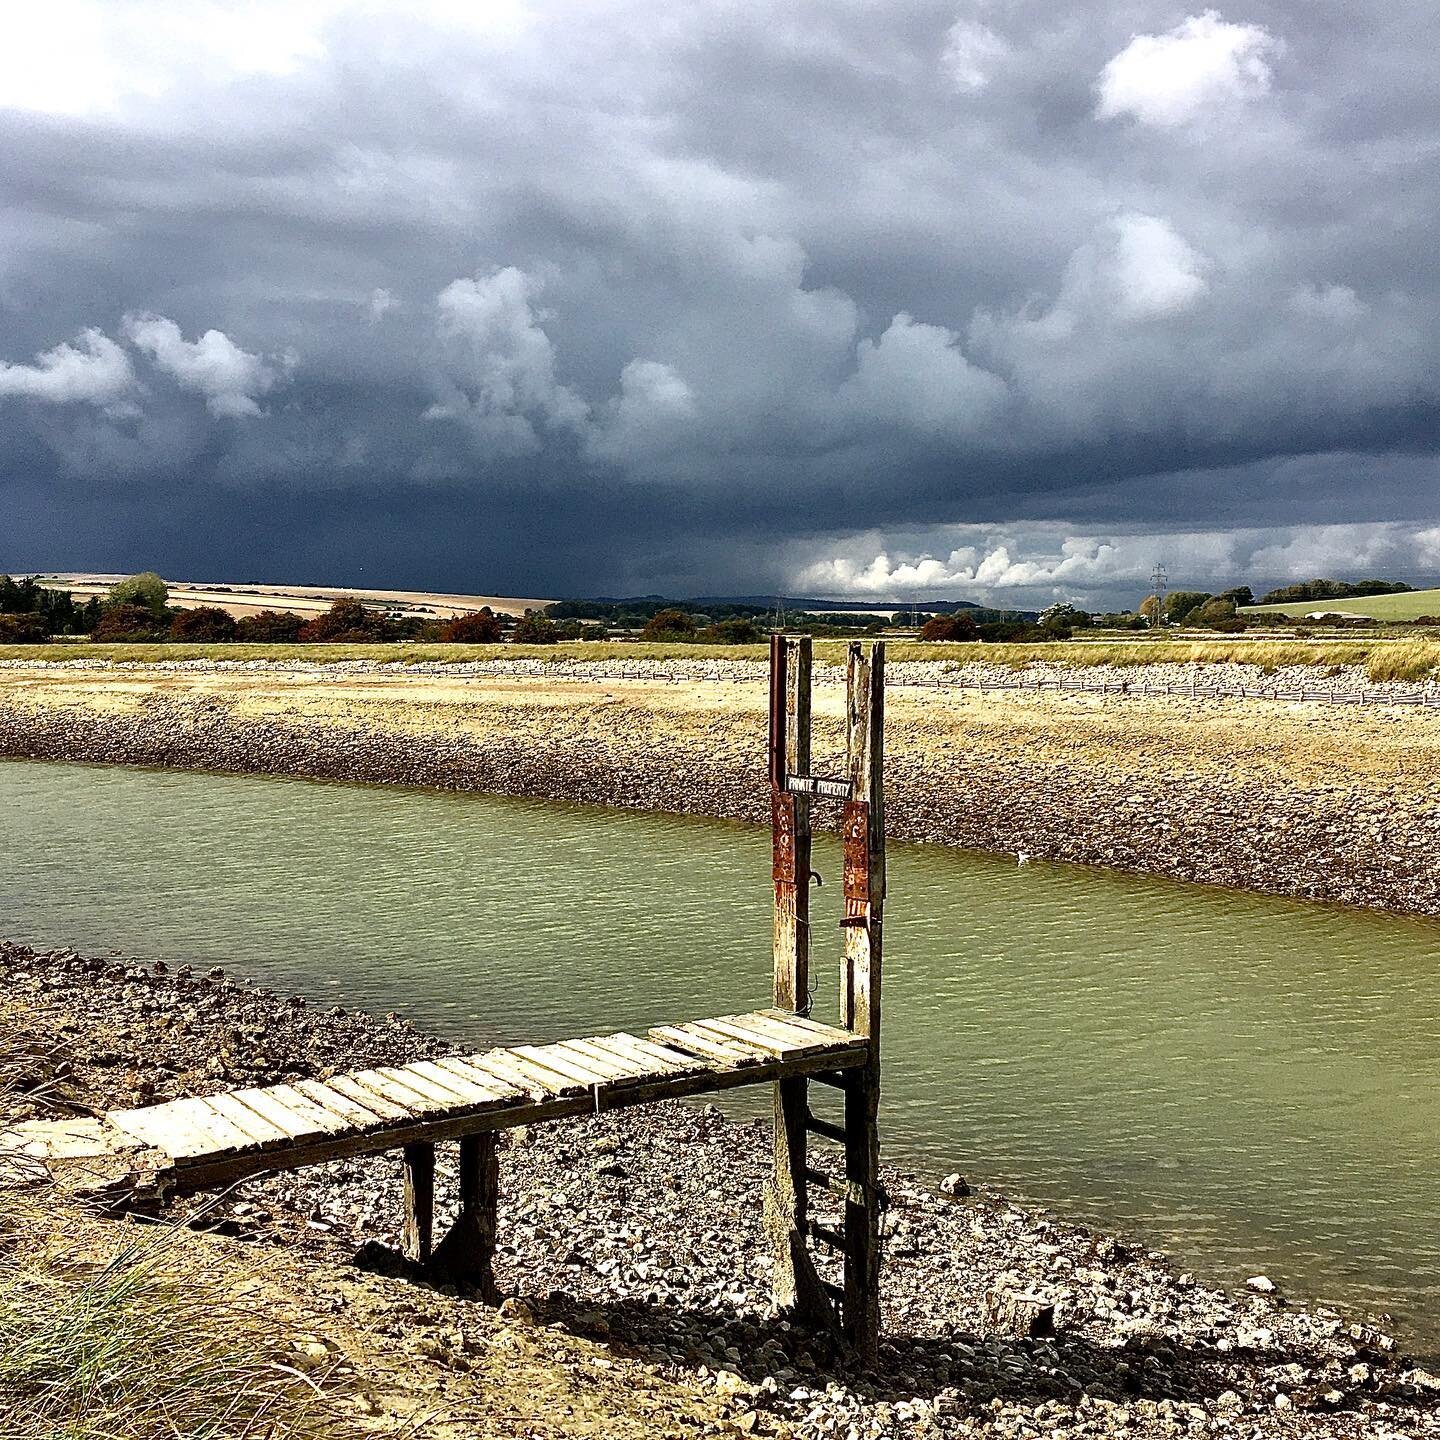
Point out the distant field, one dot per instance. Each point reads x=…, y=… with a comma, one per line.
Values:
x=245, y=599
x=1382, y=659
x=1408, y=605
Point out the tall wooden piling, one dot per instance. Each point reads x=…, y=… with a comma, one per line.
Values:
x=863, y=839
x=854, y=1307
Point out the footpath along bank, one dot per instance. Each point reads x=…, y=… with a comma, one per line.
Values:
x=635, y=1245
x=1302, y=799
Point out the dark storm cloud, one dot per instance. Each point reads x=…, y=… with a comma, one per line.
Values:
x=625, y=296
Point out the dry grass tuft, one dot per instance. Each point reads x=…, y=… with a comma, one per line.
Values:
x=139, y=1342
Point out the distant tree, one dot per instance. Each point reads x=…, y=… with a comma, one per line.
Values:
x=1150, y=609
x=267, y=627
x=534, y=629
x=596, y=631
x=1332, y=590
x=949, y=627
x=737, y=630
x=1215, y=614
x=1061, y=619
x=1240, y=594
x=146, y=589
x=129, y=622
x=23, y=628
x=669, y=624
x=205, y=623
x=1179, y=603
x=480, y=627
x=347, y=621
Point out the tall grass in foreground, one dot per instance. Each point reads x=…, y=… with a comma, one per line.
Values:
x=140, y=1343
x=1381, y=658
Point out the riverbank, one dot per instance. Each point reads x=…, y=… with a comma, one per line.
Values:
x=1307, y=800
x=633, y=1248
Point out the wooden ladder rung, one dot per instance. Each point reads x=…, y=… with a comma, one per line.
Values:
x=851, y=1191
x=827, y=1128
x=826, y=1235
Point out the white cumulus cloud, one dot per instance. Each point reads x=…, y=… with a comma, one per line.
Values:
x=972, y=52
x=498, y=376
x=915, y=375
x=94, y=369
x=1205, y=64
x=230, y=379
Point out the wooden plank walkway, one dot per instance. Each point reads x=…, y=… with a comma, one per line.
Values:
x=204, y=1143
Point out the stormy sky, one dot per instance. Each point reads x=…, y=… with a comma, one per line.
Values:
x=1003, y=301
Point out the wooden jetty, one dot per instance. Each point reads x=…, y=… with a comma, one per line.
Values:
x=215, y=1141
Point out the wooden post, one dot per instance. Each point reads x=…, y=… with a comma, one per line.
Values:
x=796, y=1285
x=467, y=1253
x=863, y=836
x=418, y=1228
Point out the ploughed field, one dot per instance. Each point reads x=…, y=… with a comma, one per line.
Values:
x=1247, y=1080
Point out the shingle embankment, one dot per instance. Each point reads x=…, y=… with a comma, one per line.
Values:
x=1311, y=800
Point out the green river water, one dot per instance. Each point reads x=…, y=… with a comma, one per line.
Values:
x=1251, y=1083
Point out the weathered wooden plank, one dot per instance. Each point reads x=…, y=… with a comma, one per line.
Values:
x=440, y=1098
x=407, y=1096
x=800, y=1041
x=809, y=1025
x=487, y=1079
x=646, y=1055
x=263, y=1132
x=553, y=1057
x=268, y=1106
x=470, y=1091
x=761, y=1043
x=612, y=1066
x=661, y=1055
x=698, y=1042
x=302, y=1105
x=165, y=1129
x=536, y=1081
x=382, y=1105
x=361, y=1117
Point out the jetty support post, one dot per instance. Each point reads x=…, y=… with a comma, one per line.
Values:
x=863, y=840
x=796, y=1285
x=417, y=1231
x=467, y=1253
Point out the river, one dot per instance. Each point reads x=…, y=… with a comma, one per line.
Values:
x=1249, y=1082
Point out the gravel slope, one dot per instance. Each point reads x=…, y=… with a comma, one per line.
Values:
x=1298, y=799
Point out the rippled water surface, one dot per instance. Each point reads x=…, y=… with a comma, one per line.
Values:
x=1252, y=1083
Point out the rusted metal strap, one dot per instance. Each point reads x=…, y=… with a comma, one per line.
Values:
x=778, y=659
x=855, y=839
x=782, y=822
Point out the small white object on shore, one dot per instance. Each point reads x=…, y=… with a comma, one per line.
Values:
x=1022, y=857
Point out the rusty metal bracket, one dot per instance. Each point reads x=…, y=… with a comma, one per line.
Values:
x=855, y=840
x=782, y=821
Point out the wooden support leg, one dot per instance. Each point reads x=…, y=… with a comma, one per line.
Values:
x=416, y=1234
x=862, y=1222
x=467, y=1253
x=796, y=1285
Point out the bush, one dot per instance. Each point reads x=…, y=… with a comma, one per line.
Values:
x=736, y=631
x=23, y=630
x=534, y=630
x=482, y=627
x=129, y=622
x=204, y=624
x=949, y=627
x=346, y=621
x=269, y=627
x=668, y=624
x=1179, y=603
x=146, y=589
